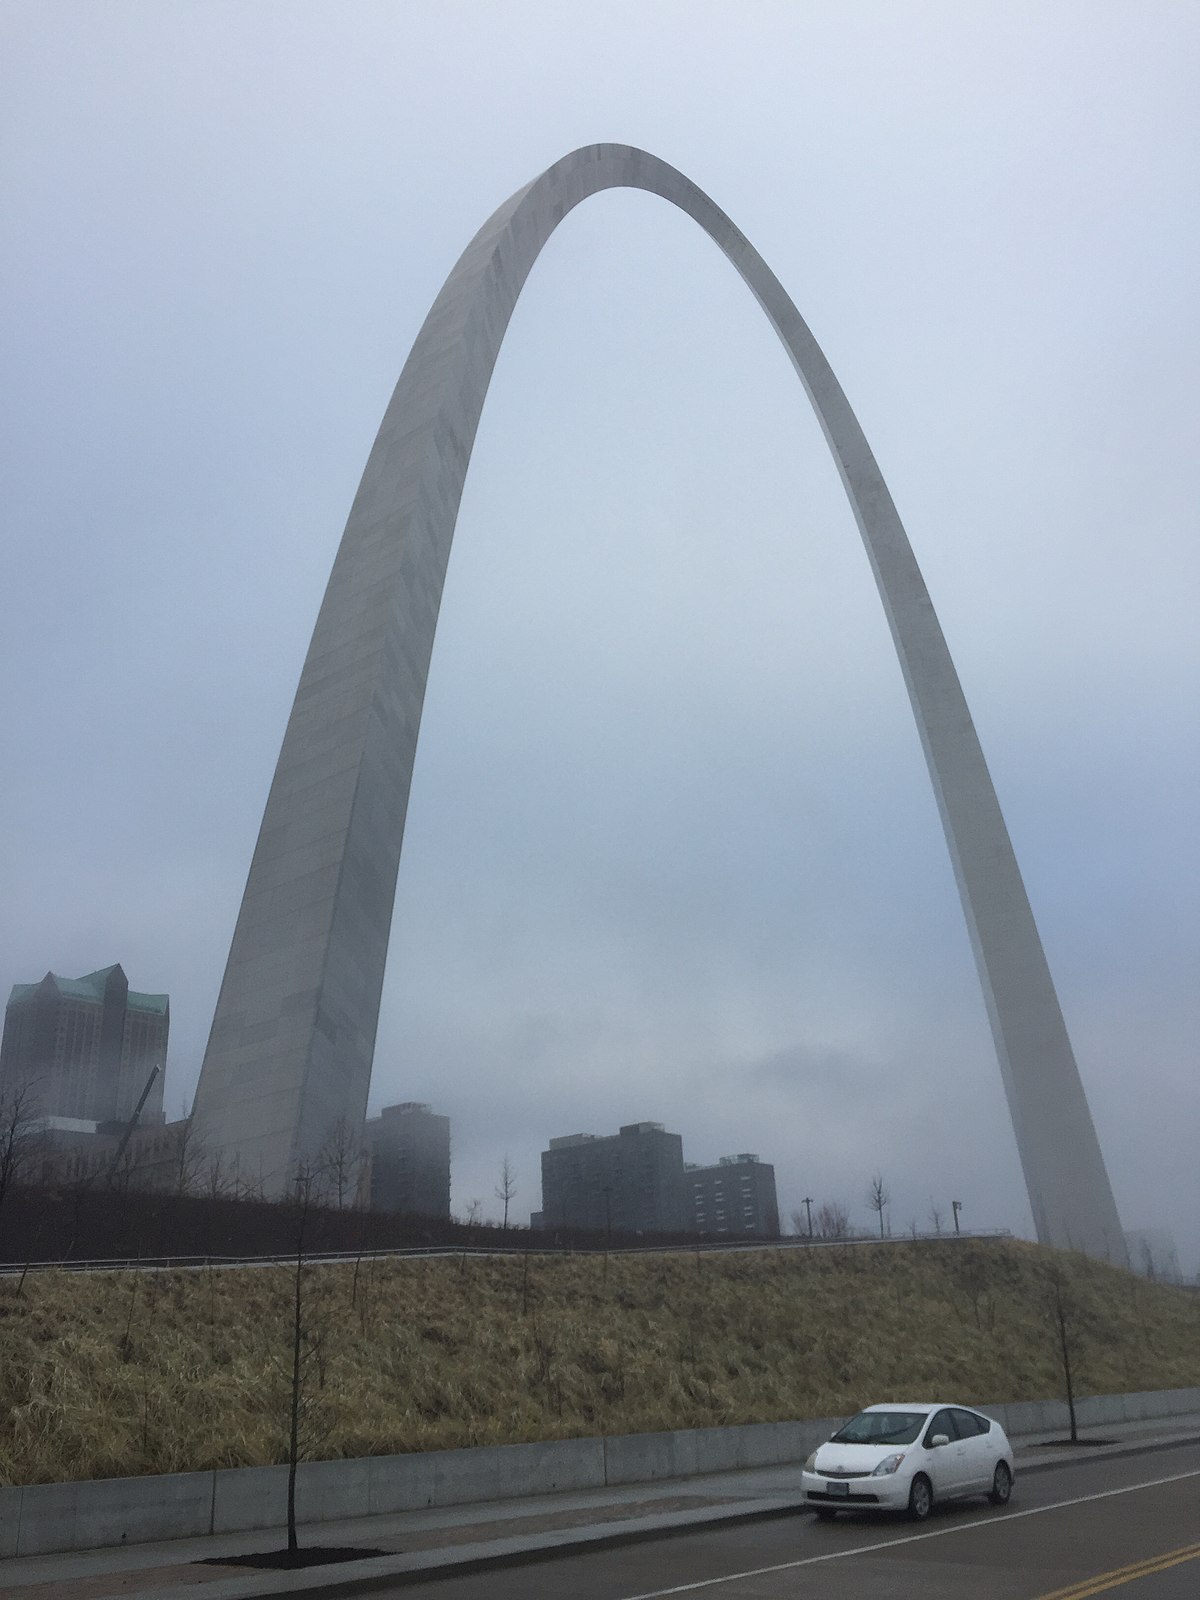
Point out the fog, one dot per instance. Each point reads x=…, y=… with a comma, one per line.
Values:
x=672, y=853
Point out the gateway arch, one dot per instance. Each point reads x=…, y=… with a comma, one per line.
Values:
x=292, y=1040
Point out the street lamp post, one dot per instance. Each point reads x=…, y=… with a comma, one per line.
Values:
x=957, y=1204
x=808, y=1208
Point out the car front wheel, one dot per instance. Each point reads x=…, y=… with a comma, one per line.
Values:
x=1001, y=1485
x=920, y=1498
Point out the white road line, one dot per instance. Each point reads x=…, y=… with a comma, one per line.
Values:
x=911, y=1538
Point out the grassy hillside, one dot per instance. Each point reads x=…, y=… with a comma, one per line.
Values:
x=113, y=1374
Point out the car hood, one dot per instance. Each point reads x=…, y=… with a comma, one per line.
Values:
x=855, y=1457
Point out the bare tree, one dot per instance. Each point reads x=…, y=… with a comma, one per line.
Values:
x=303, y=1198
x=189, y=1157
x=339, y=1163
x=80, y=1175
x=216, y=1180
x=507, y=1187
x=935, y=1216
x=120, y=1173
x=20, y=1135
x=304, y=1435
x=1064, y=1322
x=474, y=1214
x=879, y=1198
x=832, y=1221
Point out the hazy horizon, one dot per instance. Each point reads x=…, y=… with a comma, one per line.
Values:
x=672, y=853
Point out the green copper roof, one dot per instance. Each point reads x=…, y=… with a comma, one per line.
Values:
x=149, y=1002
x=91, y=987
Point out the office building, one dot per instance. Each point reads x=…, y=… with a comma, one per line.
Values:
x=628, y=1182
x=85, y=1047
x=735, y=1196
x=408, y=1153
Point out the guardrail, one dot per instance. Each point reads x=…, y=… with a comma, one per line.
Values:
x=320, y=1257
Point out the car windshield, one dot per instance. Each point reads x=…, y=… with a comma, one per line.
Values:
x=881, y=1427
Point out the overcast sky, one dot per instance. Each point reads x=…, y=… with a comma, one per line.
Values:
x=672, y=853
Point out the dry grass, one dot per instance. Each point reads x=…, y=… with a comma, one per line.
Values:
x=122, y=1373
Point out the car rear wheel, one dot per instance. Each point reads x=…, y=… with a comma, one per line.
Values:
x=825, y=1513
x=1001, y=1484
x=920, y=1498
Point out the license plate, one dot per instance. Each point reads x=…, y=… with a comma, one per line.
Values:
x=836, y=1488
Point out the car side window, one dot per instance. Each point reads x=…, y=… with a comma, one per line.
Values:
x=941, y=1424
x=966, y=1423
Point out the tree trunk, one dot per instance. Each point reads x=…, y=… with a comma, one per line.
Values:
x=294, y=1432
x=1065, y=1346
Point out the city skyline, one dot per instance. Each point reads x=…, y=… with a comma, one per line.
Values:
x=559, y=952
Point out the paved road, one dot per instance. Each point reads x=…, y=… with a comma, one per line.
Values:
x=1130, y=1525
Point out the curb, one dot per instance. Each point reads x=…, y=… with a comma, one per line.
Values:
x=1114, y=1453
x=325, y=1586
x=386, y=1573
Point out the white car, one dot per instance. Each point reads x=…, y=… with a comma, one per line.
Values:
x=906, y=1457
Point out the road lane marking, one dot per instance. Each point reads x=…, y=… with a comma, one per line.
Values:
x=1120, y=1575
x=911, y=1538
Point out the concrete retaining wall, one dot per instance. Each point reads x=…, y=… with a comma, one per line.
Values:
x=43, y=1518
x=1095, y=1411
x=645, y=1457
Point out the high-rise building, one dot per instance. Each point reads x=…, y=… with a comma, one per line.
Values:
x=85, y=1047
x=628, y=1182
x=735, y=1196
x=409, y=1153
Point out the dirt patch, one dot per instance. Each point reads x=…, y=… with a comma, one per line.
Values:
x=313, y=1555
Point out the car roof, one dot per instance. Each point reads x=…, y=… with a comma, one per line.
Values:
x=909, y=1405
x=923, y=1405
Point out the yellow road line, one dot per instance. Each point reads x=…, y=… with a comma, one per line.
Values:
x=1119, y=1575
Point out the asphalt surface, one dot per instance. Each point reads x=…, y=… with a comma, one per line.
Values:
x=1116, y=1512
x=1092, y=1527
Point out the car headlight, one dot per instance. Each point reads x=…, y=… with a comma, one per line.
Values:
x=888, y=1465
x=811, y=1464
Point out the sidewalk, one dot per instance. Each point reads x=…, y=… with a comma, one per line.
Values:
x=416, y=1543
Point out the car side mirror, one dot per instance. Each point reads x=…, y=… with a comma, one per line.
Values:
x=939, y=1438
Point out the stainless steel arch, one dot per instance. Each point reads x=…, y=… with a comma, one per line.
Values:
x=293, y=1036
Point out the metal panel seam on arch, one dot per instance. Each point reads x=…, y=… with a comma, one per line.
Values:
x=292, y=1040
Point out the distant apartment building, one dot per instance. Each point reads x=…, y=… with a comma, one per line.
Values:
x=408, y=1152
x=155, y=1157
x=735, y=1196
x=85, y=1047
x=628, y=1182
